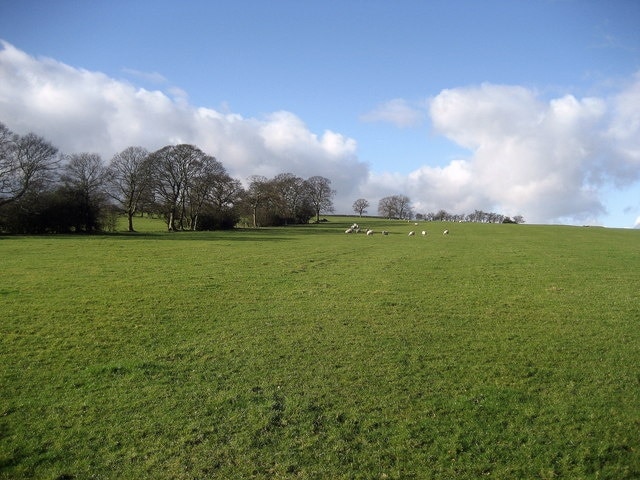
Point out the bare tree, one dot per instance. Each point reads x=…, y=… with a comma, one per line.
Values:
x=85, y=172
x=360, y=206
x=320, y=195
x=404, y=207
x=257, y=195
x=173, y=169
x=84, y=177
x=25, y=162
x=291, y=195
x=386, y=207
x=395, y=206
x=225, y=193
x=129, y=179
x=441, y=215
x=206, y=174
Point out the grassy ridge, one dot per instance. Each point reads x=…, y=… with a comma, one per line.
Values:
x=500, y=350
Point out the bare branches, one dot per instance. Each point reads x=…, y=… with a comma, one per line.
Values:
x=129, y=179
x=321, y=195
x=25, y=161
x=395, y=206
x=360, y=206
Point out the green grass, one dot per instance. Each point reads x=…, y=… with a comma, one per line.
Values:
x=499, y=351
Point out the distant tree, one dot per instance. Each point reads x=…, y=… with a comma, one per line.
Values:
x=395, y=206
x=175, y=170
x=360, y=206
x=25, y=162
x=404, y=207
x=292, y=197
x=441, y=215
x=320, y=195
x=284, y=199
x=256, y=196
x=518, y=219
x=169, y=169
x=387, y=207
x=225, y=193
x=206, y=174
x=221, y=210
x=84, y=180
x=129, y=180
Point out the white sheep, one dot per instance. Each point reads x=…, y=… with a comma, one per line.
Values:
x=369, y=232
x=446, y=232
x=412, y=233
x=424, y=233
x=384, y=232
x=348, y=230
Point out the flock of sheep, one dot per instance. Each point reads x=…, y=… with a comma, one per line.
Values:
x=355, y=228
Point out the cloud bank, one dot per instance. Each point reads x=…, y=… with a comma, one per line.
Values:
x=546, y=159
x=549, y=160
x=84, y=111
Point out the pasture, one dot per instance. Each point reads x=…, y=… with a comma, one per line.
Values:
x=498, y=351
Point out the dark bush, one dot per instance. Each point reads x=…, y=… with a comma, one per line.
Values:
x=210, y=220
x=63, y=210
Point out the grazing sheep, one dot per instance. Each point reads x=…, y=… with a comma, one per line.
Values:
x=349, y=230
x=424, y=233
x=384, y=232
x=416, y=224
x=446, y=232
x=412, y=233
x=369, y=232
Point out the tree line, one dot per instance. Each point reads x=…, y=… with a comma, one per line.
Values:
x=399, y=207
x=45, y=191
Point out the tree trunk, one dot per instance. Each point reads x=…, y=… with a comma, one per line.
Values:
x=170, y=221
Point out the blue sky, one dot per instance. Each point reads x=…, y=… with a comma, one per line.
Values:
x=517, y=107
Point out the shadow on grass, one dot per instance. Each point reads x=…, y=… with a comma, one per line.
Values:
x=236, y=235
x=241, y=234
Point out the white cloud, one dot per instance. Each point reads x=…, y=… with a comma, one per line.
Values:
x=79, y=111
x=543, y=159
x=623, y=133
x=397, y=111
x=549, y=160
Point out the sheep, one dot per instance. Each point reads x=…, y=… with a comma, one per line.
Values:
x=369, y=232
x=412, y=233
x=348, y=230
x=446, y=232
x=384, y=232
x=424, y=233
x=416, y=224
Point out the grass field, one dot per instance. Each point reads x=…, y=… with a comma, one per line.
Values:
x=498, y=351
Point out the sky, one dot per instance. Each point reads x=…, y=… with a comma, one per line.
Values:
x=516, y=107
